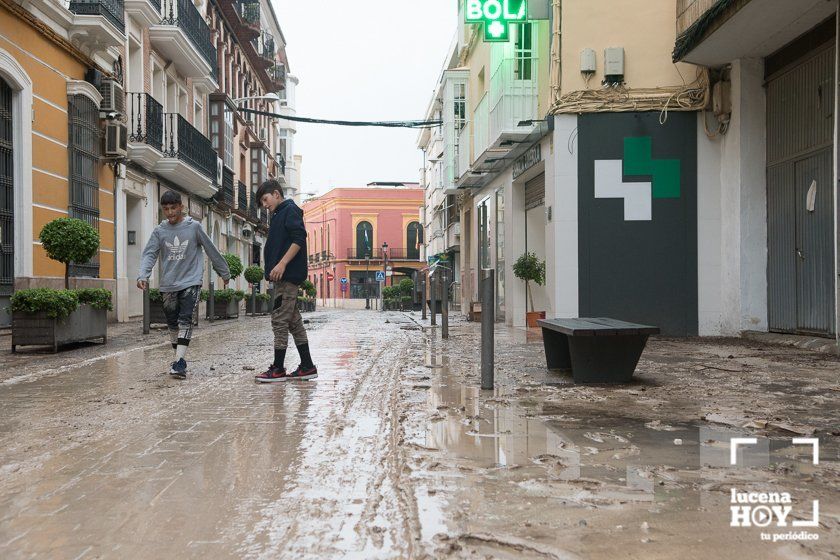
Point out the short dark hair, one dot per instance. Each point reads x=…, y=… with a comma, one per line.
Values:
x=269, y=187
x=170, y=197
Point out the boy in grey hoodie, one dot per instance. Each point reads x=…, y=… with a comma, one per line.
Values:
x=178, y=242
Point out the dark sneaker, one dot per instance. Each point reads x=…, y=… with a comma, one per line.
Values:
x=273, y=375
x=304, y=373
x=179, y=369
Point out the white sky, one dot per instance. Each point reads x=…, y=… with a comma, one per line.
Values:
x=370, y=60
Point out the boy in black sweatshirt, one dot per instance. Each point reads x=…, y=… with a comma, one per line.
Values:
x=286, y=266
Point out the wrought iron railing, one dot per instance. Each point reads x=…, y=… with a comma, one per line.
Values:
x=225, y=194
x=112, y=10
x=249, y=11
x=186, y=16
x=265, y=45
x=361, y=253
x=145, y=122
x=264, y=221
x=242, y=197
x=277, y=73
x=254, y=208
x=183, y=141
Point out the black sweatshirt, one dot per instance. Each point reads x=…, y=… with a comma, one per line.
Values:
x=287, y=228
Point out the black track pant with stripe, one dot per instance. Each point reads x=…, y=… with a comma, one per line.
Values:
x=180, y=308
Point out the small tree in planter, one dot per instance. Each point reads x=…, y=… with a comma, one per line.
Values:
x=530, y=268
x=254, y=276
x=234, y=265
x=226, y=304
x=42, y=316
x=68, y=240
x=405, y=292
x=309, y=292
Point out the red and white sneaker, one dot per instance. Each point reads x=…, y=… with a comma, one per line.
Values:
x=303, y=373
x=273, y=375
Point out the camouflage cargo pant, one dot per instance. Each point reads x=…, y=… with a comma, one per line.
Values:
x=285, y=316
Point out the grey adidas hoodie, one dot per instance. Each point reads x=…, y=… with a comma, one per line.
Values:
x=179, y=247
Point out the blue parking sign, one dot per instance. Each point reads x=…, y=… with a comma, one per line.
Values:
x=343, y=280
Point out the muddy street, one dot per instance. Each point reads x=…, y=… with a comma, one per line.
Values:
x=394, y=452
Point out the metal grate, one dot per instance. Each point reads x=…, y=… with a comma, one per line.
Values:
x=7, y=194
x=84, y=148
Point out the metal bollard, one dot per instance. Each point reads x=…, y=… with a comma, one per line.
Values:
x=211, y=304
x=253, y=300
x=433, y=297
x=444, y=305
x=488, y=336
x=147, y=311
x=424, y=287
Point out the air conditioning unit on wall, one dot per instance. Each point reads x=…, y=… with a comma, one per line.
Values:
x=113, y=97
x=116, y=138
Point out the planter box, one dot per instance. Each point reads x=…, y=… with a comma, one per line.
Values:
x=263, y=307
x=228, y=310
x=36, y=329
x=531, y=318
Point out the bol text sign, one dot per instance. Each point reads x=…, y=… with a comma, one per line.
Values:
x=496, y=16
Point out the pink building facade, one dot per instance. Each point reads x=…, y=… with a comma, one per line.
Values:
x=355, y=232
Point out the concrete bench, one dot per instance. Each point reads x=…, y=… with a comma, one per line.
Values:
x=598, y=350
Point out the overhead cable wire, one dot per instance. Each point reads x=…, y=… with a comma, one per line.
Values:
x=385, y=124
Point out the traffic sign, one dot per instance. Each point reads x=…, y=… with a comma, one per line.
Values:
x=389, y=273
x=343, y=280
x=330, y=277
x=380, y=276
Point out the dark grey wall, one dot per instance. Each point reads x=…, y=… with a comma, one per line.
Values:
x=639, y=271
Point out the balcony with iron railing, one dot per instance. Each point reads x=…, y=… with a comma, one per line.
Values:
x=112, y=10
x=277, y=75
x=265, y=48
x=183, y=37
x=377, y=254
x=253, y=208
x=241, y=199
x=224, y=198
x=91, y=24
x=145, y=129
x=189, y=158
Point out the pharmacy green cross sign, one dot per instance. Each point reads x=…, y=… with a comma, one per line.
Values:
x=496, y=16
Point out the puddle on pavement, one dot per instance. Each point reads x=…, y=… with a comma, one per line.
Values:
x=530, y=455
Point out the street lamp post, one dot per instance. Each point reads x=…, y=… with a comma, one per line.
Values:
x=385, y=272
x=367, y=280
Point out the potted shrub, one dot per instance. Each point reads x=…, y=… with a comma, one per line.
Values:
x=309, y=292
x=42, y=316
x=530, y=268
x=254, y=276
x=46, y=317
x=389, y=297
x=68, y=240
x=156, y=314
x=226, y=304
x=263, y=304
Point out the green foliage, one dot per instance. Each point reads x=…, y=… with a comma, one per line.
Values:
x=239, y=295
x=203, y=296
x=406, y=287
x=55, y=303
x=530, y=268
x=69, y=240
x=156, y=297
x=264, y=297
x=407, y=301
x=98, y=298
x=308, y=288
x=234, y=264
x=224, y=296
x=390, y=292
x=254, y=274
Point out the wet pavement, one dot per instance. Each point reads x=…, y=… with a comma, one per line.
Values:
x=394, y=452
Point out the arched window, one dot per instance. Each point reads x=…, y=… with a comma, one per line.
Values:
x=364, y=240
x=414, y=234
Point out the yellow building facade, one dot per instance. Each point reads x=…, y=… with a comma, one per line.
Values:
x=46, y=110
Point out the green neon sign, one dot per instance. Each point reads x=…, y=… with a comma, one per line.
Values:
x=496, y=16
